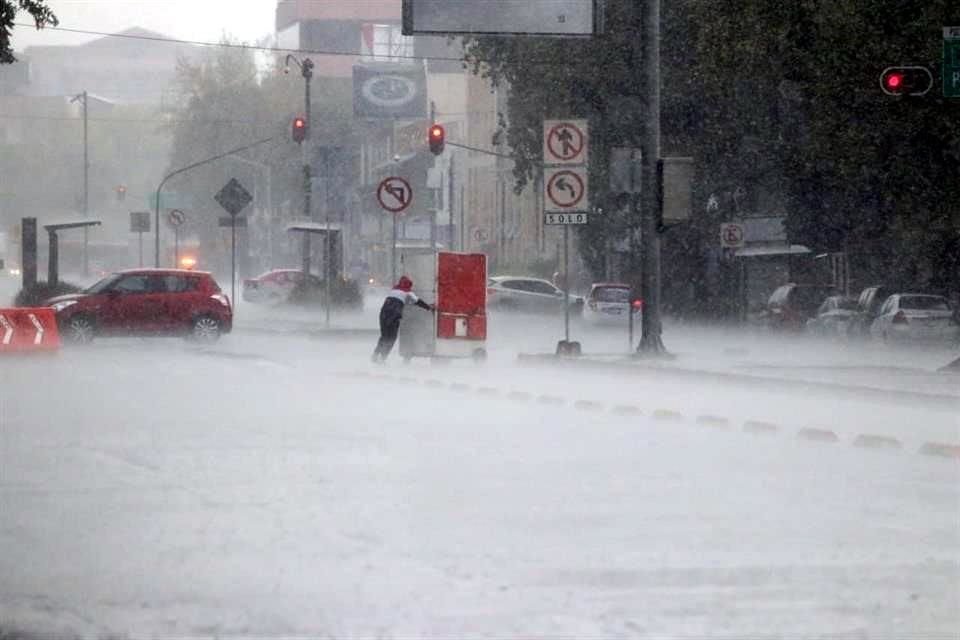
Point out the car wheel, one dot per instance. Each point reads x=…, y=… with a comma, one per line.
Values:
x=80, y=329
x=205, y=329
x=479, y=355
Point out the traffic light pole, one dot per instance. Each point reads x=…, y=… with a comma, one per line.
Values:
x=306, y=70
x=82, y=98
x=649, y=200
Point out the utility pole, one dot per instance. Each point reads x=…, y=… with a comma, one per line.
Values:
x=82, y=98
x=306, y=70
x=647, y=23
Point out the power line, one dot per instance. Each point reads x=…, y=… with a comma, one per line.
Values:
x=158, y=121
x=247, y=47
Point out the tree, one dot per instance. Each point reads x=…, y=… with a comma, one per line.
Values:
x=41, y=14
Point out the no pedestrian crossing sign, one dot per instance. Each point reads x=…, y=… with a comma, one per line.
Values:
x=564, y=142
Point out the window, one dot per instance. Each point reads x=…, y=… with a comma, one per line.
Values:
x=888, y=305
x=611, y=294
x=132, y=284
x=386, y=43
x=542, y=287
x=180, y=284
x=924, y=303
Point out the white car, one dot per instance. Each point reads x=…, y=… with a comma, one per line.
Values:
x=527, y=294
x=609, y=303
x=916, y=317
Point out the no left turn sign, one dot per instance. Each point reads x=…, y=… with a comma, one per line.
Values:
x=565, y=190
x=394, y=194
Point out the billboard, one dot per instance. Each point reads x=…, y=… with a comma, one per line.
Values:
x=389, y=90
x=519, y=17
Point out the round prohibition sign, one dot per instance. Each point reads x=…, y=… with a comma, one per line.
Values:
x=176, y=217
x=565, y=141
x=394, y=194
x=565, y=189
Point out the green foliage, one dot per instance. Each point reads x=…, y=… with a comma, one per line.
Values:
x=780, y=100
x=38, y=294
x=37, y=9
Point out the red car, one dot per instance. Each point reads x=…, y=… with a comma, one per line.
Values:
x=146, y=301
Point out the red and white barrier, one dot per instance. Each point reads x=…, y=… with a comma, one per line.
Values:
x=28, y=329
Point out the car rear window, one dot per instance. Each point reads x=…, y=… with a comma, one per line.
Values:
x=611, y=294
x=924, y=303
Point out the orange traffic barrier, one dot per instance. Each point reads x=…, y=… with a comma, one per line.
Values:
x=28, y=329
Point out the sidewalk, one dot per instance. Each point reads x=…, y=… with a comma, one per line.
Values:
x=752, y=358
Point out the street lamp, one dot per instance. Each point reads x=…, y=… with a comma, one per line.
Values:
x=82, y=98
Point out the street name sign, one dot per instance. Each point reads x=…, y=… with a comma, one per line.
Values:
x=565, y=218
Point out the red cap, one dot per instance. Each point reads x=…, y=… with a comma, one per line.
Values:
x=404, y=284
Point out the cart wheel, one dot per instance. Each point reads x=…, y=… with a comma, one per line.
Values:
x=479, y=356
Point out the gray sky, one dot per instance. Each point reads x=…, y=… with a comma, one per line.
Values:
x=206, y=20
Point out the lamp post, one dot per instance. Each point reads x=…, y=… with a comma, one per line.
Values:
x=82, y=98
x=306, y=70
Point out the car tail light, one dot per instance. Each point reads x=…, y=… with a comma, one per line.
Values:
x=637, y=304
x=899, y=318
x=222, y=299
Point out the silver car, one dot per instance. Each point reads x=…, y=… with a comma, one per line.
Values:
x=527, y=294
x=833, y=316
x=915, y=317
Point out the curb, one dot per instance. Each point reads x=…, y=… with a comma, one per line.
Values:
x=810, y=434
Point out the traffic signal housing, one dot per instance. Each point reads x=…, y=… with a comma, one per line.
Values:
x=298, y=129
x=906, y=81
x=436, y=137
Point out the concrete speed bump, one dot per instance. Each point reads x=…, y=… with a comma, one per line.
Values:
x=867, y=441
x=519, y=396
x=758, y=426
x=554, y=401
x=626, y=410
x=817, y=435
x=940, y=450
x=716, y=422
x=587, y=405
x=666, y=415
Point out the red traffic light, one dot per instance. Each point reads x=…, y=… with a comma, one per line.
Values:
x=906, y=81
x=436, y=138
x=299, y=129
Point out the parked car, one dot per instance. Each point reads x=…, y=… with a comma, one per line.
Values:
x=868, y=305
x=145, y=301
x=527, y=294
x=916, y=317
x=791, y=305
x=608, y=303
x=833, y=316
x=277, y=285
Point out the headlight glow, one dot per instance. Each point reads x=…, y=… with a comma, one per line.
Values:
x=63, y=304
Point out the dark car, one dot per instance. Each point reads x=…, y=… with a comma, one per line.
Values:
x=791, y=305
x=146, y=302
x=868, y=308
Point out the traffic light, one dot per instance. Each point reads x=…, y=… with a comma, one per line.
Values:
x=906, y=81
x=299, y=129
x=121, y=193
x=436, y=139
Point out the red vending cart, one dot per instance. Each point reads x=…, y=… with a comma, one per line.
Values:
x=459, y=327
